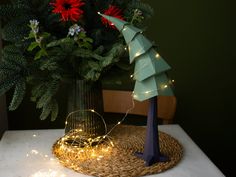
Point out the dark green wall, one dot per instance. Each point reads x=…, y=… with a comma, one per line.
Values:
x=197, y=38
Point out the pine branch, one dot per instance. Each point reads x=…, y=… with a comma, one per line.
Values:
x=16, y=29
x=54, y=111
x=7, y=10
x=38, y=90
x=12, y=72
x=46, y=110
x=18, y=95
x=113, y=55
x=50, y=92
x=10, y=49
x=85, y=53
x=8, y=83
x=50, y=108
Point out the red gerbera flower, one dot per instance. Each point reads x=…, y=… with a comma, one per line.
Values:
x=114, y=12
x=69, y=9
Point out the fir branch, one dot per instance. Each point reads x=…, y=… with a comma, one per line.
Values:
x=8, y=69
x=46, y=101
x=12, y=70
x=11, y=49
x=54, y=111
x=8, y=83
x=17, y=62
x=113, y=55
x=50, y=92
x=66, y=40
x=18, y=95
x=85, y=53
x=38, y=90
x=21, y=4
x=49, y=65
x=46, y=110
x=16, y=29
x=7, y=10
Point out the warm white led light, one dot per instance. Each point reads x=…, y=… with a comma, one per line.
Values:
x=33, y=151
x=137, y=54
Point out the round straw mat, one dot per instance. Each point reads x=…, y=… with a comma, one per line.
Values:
x=121, y=161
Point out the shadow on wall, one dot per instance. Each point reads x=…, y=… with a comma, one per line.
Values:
x=3, y=116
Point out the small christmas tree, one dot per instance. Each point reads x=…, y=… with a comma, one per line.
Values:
x=151, y=81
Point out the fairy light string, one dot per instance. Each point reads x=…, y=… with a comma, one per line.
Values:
x=78, y=137
x=83, y=149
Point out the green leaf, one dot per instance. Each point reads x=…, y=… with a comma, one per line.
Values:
x=32, y=46
x=99, y=50
x=40, y=54
x=59, y=42
x=30, y=36
x=94, y=65
x=16, y=30
x=46, y=35
x=87, y=39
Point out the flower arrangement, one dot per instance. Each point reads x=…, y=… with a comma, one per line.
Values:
x=48, y=41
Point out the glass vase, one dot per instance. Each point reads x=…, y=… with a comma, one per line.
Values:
x=85, y=107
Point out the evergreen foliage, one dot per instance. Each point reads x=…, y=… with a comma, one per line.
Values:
x=43, y=55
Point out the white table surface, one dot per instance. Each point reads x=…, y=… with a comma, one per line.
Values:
x=28, y=154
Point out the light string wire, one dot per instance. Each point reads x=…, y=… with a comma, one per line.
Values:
x=73, y=152
x=103, y=120
x=85, y=152
x=99, y=139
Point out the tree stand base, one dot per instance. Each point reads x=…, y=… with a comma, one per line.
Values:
x=151, y=159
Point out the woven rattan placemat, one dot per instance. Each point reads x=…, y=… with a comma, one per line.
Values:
x=121, y=161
